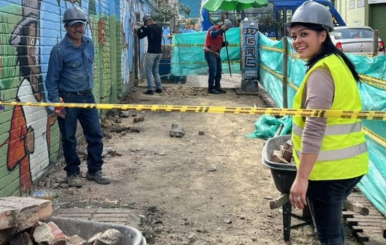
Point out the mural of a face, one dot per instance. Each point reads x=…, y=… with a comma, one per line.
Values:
x=28, y=142
x=32, y=60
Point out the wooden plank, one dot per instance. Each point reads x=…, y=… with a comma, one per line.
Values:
x=362, y=237
x=359, y=228
x=376, y=220
x=356, y=207
x=279, y=202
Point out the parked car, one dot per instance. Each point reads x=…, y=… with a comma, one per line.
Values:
x=356, y=40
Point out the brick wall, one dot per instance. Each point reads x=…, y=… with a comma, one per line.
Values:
x=29, y=136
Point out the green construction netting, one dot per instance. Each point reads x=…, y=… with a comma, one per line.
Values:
x=188, y=53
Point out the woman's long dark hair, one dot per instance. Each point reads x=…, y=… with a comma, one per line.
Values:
x=328, y=48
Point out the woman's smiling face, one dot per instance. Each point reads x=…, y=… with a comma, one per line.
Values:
x=307, y=42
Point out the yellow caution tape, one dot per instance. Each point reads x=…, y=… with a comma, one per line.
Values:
x=199, y=45
x=377, y=138
x=368, y=115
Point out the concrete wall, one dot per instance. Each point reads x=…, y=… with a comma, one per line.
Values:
x=29, y=136
x=353, y=12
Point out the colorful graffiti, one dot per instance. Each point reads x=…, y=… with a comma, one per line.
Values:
x=2, y=98
x=30, y=126
x=131, y=14
x=29, y=136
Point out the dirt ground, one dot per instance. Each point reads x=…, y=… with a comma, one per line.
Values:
x=207, y=187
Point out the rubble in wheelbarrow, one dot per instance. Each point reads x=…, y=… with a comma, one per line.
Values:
x=22, y=223
x=284, y=154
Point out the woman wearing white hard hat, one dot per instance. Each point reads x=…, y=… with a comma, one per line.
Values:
x=330, y=153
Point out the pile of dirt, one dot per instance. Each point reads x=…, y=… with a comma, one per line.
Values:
x=182, y=91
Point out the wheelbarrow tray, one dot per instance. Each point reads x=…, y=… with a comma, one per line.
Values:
x=86, y=229
x=283, y=174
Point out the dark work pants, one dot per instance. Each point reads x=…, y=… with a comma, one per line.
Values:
x=326, y=199
x=215, y=70
x=89, y=120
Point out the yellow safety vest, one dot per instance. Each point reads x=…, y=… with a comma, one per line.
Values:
x=343, y=153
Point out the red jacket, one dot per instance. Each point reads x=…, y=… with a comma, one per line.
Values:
x=213, y=45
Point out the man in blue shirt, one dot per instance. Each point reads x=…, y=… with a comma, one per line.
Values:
x=70, y=80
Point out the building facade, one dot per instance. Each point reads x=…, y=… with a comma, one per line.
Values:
x=364, y=13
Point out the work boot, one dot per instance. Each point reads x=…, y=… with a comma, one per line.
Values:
x=98, y=177
x=158, y=90
x=221, y=90
x=149, y=92
x=74, y=181
x=214, y=91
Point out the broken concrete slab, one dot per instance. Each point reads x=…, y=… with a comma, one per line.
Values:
x=23, y=212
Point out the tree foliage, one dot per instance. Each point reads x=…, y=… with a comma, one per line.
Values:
x=185, y=9
x=166, y=13
x=269, y=23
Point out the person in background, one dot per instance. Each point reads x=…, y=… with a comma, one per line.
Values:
x=330, y=153
x=213, y=44
x=70, y=80
x=153, y=32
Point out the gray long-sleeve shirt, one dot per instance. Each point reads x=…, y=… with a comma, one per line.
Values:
x=319, y=94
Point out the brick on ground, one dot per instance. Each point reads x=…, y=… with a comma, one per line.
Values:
x=48, y=233
x=20, y=213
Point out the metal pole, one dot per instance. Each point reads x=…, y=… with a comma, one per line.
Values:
x=285, y=62
x=375, y=43
x=229, y=63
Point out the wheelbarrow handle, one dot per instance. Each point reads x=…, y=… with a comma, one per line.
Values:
x=279, y=202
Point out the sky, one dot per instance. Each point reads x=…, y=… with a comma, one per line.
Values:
x=194, y=6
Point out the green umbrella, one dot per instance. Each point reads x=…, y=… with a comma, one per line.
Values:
x=214, y=5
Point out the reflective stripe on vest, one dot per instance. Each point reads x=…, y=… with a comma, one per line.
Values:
x=334, y=155
x=332, y=129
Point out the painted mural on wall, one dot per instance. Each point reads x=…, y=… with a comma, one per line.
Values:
x=128, y=24
x=132, y=12
x=29, y=136
x=29, y=140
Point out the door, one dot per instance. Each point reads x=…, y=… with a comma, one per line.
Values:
x=283, y=16
x=377, y=18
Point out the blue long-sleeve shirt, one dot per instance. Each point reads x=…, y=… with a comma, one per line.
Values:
x=214, y=33
x=70, y=68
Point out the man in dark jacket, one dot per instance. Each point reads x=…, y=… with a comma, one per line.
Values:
x=213, y=44
x=153, y=32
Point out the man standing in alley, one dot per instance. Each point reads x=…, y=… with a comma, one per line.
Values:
x=213, y=44
x=153, y=32
x=70, y=80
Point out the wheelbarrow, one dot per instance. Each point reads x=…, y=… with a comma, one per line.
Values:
x=283, y=176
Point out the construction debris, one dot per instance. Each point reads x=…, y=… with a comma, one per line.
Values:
x=284, y=154
x=176, y=131
x=22, y=223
